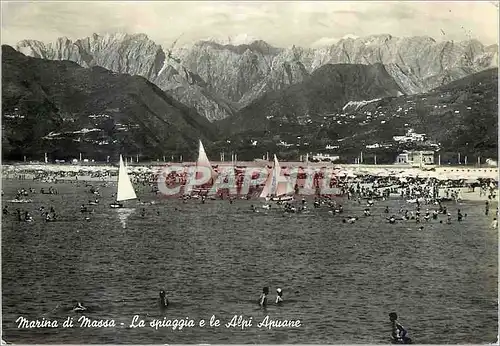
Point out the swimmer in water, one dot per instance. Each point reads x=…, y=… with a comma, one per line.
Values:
x=79, y=307
x=279, y=296
x=27, y=217
x=263, y=297
x=163, y=299
x=48, y=217
x=352, y=219
x=434, y=215
x=399, y=333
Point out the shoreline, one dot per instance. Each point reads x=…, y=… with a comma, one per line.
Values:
x=439, y=172
x=465, y=193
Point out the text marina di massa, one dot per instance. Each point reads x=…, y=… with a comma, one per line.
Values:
x=237, y=321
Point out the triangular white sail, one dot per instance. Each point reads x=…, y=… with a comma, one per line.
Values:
x=202, y=156
x=125, y=189
x=276, y=184
x=203, y=160
x=266, y=191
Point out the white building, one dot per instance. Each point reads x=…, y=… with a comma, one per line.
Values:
x=324, y=157
x=410, y=136
x=284, y=144
x=416, y=158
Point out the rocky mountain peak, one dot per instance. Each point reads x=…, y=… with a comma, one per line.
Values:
x=217, y=77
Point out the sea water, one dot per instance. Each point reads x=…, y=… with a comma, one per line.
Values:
x=340, y=280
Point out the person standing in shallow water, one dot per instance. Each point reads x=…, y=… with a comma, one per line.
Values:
x=263, y=297
x=163, y=299
x=279, y=296
x=399, y=333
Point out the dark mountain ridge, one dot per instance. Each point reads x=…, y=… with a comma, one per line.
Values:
x=64, y=109
x=326, y=90
x=460, y=117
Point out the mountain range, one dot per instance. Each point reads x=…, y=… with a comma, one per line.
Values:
x=327, y=89
x=64, y=109
x=357, y=108
x=219, y=79
x=124, y=94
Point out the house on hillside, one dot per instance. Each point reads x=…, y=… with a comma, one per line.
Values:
x=324, y=157
x=284, y=144
x=410, y=136
x=416, y=157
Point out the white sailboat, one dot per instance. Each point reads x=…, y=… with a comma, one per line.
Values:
x=203, y=161
x=125, y=189
x=202, y=156
x=277, y=186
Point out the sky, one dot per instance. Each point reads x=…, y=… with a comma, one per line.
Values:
x=280, y=23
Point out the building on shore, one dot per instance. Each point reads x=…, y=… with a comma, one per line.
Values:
x=323, y=157
x=416, y=157
x=411, y=136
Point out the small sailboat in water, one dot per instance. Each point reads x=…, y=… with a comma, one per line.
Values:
x=203, y=161
x=277, y=186
x=125, y=189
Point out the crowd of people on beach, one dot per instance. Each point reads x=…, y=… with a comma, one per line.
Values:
x=416, y=191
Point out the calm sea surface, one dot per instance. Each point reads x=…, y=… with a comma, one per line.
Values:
x=340, y=280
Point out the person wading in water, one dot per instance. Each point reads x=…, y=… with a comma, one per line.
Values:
x=263, y=297
x=163, y=300
x=399, y=333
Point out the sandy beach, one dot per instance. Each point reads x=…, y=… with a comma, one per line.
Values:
x=439, y=172
x=108, y=173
